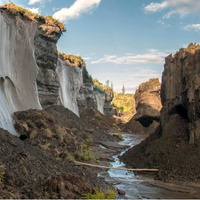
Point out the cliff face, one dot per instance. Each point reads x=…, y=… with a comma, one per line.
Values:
x=90, y=97
x=46, y=57
x=148, y=106
x=19, y=69
x=31, y=74
x=70, y=81
x=174, y=147
x=181, y=88
x=147, y=101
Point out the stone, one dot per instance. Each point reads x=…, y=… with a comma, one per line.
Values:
x=148, y=105
x=180, y=90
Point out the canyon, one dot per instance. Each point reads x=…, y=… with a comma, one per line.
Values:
x=50, y=102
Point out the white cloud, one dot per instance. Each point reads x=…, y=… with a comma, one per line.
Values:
x=32, y=2
x=79, y=7
x=174, y=7
x=154, y=7
x=86, y=58
x=35, y=10
x=152, y=57
x=192, y=27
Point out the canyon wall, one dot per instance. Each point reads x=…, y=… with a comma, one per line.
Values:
x=148, y=106
x=180, y=92
x=32, y=75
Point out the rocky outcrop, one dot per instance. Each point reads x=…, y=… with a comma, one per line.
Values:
x=148, y=106
x=108, y=108
x=90, y=97
x=32, y=74
x=46, y=57
x=174, y=147
x=181, y=89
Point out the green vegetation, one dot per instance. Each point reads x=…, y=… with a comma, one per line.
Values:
x=98, y=116
x=76, y=60
x=125, y=103
x=2, y=171
x=69, y=158
x=98, y=84
x=100, y=194
x=27, y=14
x=85, y=154
x=119, y=135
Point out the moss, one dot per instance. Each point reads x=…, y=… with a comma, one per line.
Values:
x=100, y=194
x=27, y=14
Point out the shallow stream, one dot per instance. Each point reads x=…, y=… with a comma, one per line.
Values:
x=140, y=186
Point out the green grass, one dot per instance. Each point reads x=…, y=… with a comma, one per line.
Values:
x=27, y=14
x=85, y=154
x=76, y=60
x=100, y=194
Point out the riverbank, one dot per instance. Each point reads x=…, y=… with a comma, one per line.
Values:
x=145, y=186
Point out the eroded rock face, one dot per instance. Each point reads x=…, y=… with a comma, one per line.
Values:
x=89, y=97
x=148, y=106
x=181, y=88
x=46, y=57
x=108, y=108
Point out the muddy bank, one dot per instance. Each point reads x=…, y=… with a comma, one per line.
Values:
x=169, y=152
x=38, y=164
x=138, y=186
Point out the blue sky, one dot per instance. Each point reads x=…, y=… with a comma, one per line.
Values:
x=124, y=41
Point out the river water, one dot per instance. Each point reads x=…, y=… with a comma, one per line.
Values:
x=140, y=186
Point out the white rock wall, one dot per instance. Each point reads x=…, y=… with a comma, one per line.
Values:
x=18, y=69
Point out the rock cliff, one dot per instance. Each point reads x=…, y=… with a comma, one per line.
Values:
x=33, y=75
x=148, y=106
x=181, y=88
x=148, y=102
x=174, y=147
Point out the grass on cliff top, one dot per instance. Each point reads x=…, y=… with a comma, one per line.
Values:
x=27, y=14
x=76, y=60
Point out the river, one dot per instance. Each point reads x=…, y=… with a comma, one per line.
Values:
x=140, y=186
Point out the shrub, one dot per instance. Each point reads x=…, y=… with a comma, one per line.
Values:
x=98, y=116
x=100, y=194
x=69, y=158
x=85, y=154
x=27, y=14
x=76, y=60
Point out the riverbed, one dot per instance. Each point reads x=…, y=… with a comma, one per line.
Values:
x=142, y=186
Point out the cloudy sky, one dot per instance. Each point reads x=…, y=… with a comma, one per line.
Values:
x=124, y=41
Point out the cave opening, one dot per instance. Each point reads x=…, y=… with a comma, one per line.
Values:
x=180, y=110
